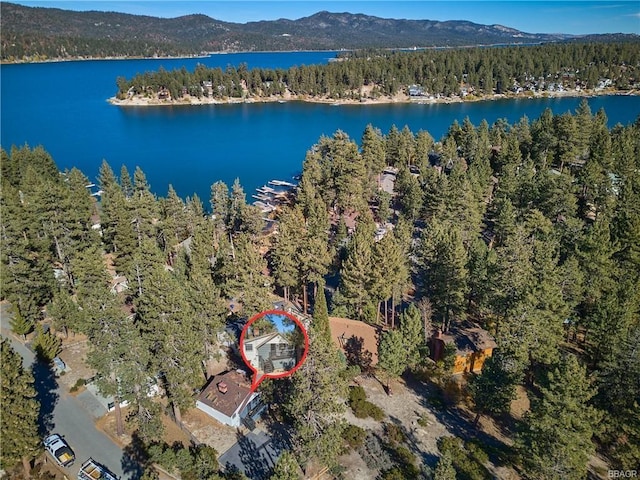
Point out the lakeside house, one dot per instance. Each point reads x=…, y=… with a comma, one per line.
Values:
x=271, y=353
x=473, y=345
x=228, y=399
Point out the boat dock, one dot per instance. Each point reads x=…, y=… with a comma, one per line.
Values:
x=282, y=183
x=268, y=199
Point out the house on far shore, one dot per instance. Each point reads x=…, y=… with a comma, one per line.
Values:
x=119, y=284
x=473, y=346
x=228, y=399
x=271, y=353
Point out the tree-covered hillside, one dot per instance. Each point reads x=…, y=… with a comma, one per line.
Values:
x=372, y=74
x=36, y=34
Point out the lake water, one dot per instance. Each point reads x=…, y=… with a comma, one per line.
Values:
x=63, y=107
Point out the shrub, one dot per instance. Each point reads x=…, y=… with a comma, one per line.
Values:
x=394, y=473
x=374, y=455
x=354, y=436
x=477, y=452
x=356, y=394
x=394, y=432
x=424, y=421
x=81, y=382
x=361, y=407
x=463, y=459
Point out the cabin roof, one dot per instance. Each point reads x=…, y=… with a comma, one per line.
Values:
x=237, y=390
x=342, y=329
x=257, y=342
x=469, y=337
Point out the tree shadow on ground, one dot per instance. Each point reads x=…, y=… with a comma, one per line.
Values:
x=135, y=457
x=413, y=443
x=281, y=435
x=459, y=423
x=256, y=460
x=46, y=387
x=357, y=355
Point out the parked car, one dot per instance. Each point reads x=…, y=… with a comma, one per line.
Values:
x=92, y=470
x=59, y=450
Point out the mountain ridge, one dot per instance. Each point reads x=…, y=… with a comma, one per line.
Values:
x=42, y=32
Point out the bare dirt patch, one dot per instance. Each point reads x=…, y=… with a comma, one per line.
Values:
x=74, y=355
x=521, y=404
x=404, y=408
x=209, y=431
x=172, y=432
x=415, y=408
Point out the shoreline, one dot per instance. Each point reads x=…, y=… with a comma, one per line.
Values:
x=139, y=101
x=167, y=57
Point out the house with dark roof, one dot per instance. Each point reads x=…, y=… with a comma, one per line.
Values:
x=228, y=399
x=473, y=345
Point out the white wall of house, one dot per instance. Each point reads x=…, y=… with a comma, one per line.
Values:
x=233, y=421
x=251, y=353
x=236, y=419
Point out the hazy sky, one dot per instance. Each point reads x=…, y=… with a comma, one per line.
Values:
x=575, y=17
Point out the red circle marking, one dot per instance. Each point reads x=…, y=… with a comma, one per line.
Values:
x=257, y=377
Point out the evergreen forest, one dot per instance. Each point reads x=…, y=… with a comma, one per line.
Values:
x=531, y=230
x=372, y=74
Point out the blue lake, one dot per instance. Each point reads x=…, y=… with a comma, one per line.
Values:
x=63, y=107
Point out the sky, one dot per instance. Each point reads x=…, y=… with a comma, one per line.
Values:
x=556, y=16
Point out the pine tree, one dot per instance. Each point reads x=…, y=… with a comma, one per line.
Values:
x=556, y=442
x=46, y=345
x=392, y=356
x=19, y=421
x=250, y=285
x=315, y=402
x=619, y=399
x=143, y=208
x=409, y=193
x=19, y=324
x=355, y=275
x=385, y=263
x=220, y=205
x=313, y=256
x=172, y=336
x=444, y=275
x=445, y=469
x=373, y=154
x=285, y=252
x=174, y=228
x=412, y=335
x=494, y=389
x=348, y=172
x=237, y=206
x=122, y=360
x=112, y=207
x=286, y=468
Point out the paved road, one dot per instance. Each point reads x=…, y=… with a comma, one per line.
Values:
x=64, y=414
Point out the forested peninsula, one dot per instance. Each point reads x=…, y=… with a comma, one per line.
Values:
x=530, y=231
x=422, y=76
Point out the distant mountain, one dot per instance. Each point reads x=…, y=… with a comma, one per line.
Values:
x=36, y=33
